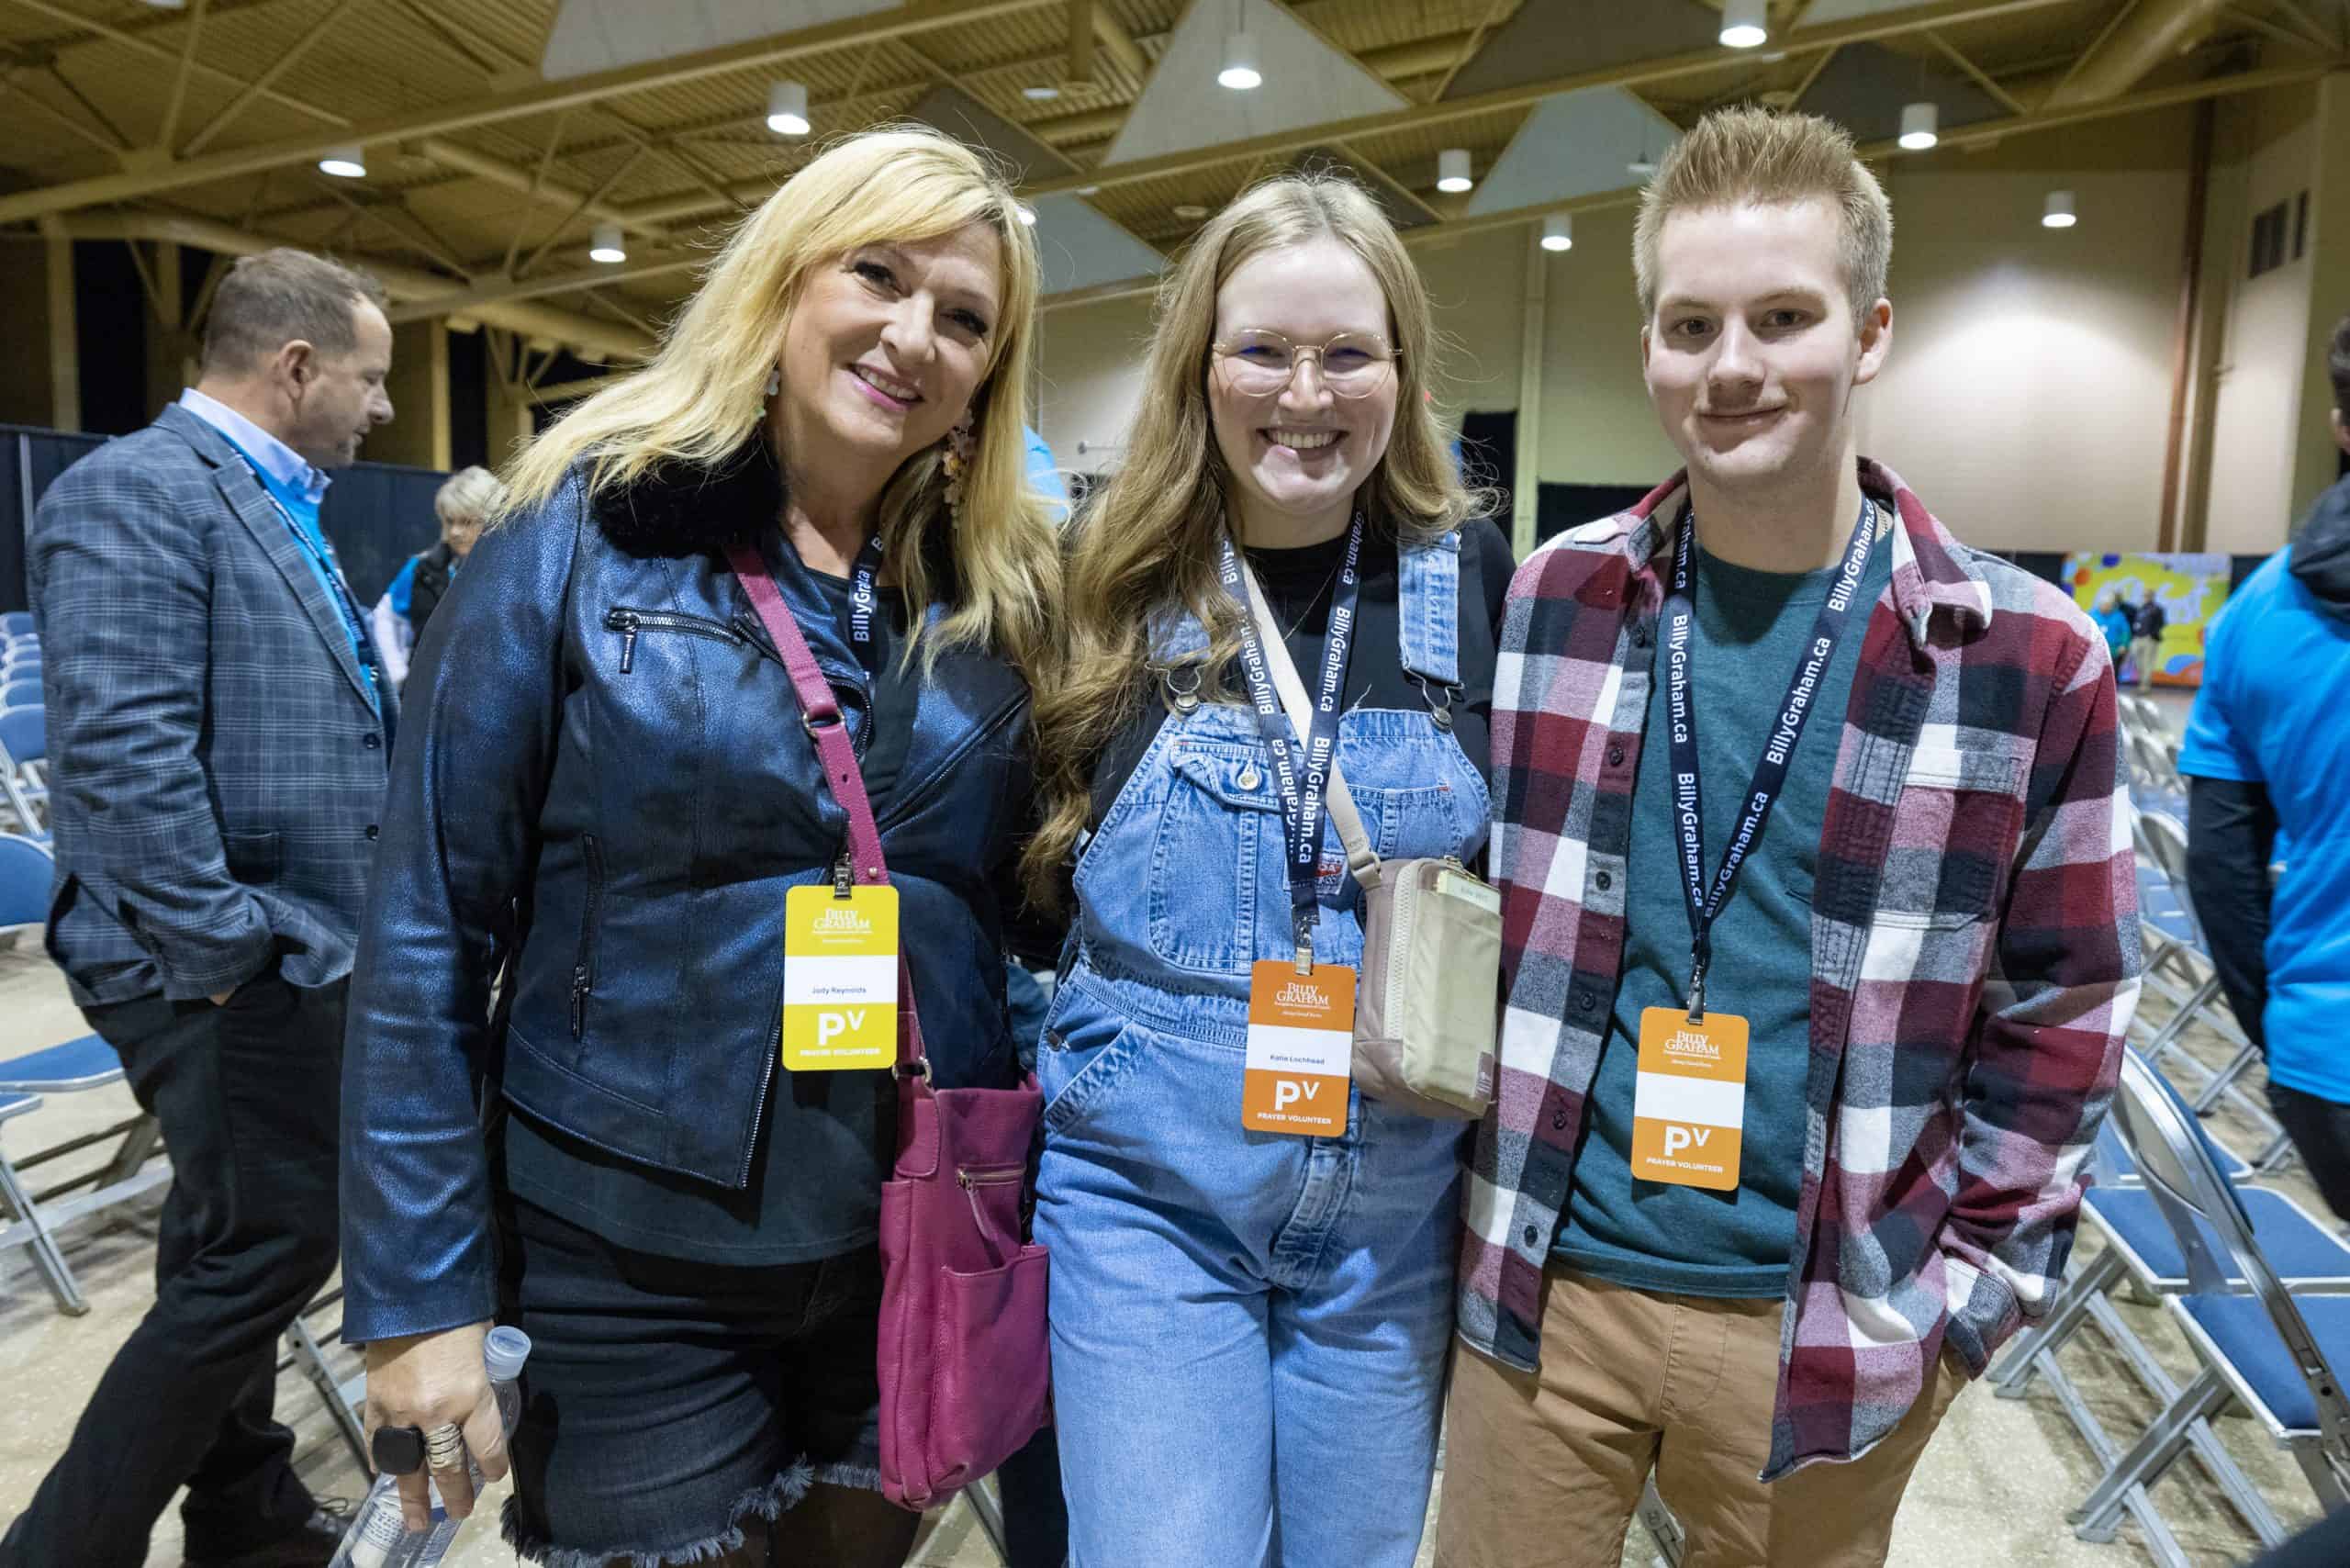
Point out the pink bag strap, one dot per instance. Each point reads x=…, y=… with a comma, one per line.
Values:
x=819, y=715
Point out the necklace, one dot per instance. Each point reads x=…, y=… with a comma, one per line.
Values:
x=1307, y=613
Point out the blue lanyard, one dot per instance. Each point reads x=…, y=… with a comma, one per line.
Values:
x=1705, y=904
x=1301, y=765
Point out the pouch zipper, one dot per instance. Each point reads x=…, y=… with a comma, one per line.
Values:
x=629, y=622
x=1407, y=910
x=972, y=1177
x=583, y=968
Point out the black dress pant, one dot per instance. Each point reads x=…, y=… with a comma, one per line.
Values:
x=2321, y=1133
x=249, y=1098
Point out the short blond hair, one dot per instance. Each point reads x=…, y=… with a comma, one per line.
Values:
x=469, y=498
x=1757, y=156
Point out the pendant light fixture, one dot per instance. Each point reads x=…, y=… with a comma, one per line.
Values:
x=788, y=108
x=1452, y=175
x=1559, y=232
x=606, y=247
x=2058, y=212
x=1921, y=127
x=1745, y=24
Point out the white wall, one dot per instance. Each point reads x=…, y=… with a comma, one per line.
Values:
x=1091, y=379
x=2265, y=150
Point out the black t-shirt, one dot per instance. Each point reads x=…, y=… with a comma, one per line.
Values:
x=1299, y=586
x=790, y=1211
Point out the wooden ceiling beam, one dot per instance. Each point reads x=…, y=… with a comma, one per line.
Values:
x=912, y=19
x=261, y=84
x=133, y=41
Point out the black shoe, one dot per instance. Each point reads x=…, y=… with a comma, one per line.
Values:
x=309, y=1544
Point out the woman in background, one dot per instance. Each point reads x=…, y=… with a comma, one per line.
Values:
x=465, y=504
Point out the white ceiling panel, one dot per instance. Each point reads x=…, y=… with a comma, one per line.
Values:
x=1079, y=248
x=1306, y=81
x=1572, y=145
x=595, y=35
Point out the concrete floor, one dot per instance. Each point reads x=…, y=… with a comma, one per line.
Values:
x=1993, y=1487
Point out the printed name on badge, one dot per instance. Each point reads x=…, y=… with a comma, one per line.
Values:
x=1300, y=1049
x=840, y=979
x=1689, y=1101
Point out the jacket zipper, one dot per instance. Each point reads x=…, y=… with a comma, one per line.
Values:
x=630, y=622
x=582, y=971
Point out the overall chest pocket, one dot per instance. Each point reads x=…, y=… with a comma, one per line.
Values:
x=1219, y=839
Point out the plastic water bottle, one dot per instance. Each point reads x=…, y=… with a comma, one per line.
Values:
x=379, y=1536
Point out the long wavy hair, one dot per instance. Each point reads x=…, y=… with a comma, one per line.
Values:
x=703, y=396
x=1147, y=545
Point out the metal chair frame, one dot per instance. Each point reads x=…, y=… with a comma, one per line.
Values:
x=127, y=1174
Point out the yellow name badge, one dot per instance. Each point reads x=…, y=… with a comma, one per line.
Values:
x=1689, y=1107
x=840, y=979
x=1300, y=1049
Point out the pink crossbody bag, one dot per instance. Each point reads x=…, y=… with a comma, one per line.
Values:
x=962, y=1361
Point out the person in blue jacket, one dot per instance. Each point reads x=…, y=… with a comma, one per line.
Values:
x=605, y=792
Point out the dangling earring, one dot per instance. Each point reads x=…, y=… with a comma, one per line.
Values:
x=775, y=382
x=955, y=461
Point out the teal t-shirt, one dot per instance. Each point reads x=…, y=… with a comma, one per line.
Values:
x=1752, y=629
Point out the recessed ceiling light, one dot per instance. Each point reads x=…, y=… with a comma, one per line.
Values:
x=348, y=161
x=1190, y=211
x=1043, y=92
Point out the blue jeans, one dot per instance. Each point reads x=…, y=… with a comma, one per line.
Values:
x=1248, y=1331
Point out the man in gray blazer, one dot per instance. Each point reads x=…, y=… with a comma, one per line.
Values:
x=218, y=731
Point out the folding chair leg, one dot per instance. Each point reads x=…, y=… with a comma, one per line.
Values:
x=2332, y=1487
x=314, y=1366
x=2223, y=1080
x=2099, y=1515
x=987, y=1506
x=1672, y=1540
x=2011, y=1377
x=42, y=1243
x=2167, y=1037
x=138, y=1146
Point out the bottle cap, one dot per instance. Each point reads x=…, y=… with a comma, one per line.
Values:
x=503, y=1353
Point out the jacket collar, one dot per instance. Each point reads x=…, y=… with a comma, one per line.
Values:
x=1931, y=571
x=680, y=508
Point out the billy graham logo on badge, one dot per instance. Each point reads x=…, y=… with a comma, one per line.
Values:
x=1304, y=994
x=841, y=921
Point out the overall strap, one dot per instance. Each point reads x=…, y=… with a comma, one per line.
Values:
x=1428, y=618
x=819, y=715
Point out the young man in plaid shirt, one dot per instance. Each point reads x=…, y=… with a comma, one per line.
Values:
x=1791, y=1123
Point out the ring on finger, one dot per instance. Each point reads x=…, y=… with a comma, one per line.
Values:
x=444, y=1447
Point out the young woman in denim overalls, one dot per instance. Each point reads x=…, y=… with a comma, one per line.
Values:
x=1250, y=1327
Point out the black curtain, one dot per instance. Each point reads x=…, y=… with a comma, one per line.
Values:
x=376, y=514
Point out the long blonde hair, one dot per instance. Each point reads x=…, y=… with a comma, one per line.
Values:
x=1147, y=545
x=703, y=396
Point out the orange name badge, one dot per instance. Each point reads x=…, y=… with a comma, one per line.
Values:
x=840, y=979
x=1689, y=1108
x=1300, y=1049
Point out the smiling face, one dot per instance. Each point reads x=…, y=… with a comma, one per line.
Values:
x=1298, y=455
x=1753, y=352
x=885, y=348
x=335, y=399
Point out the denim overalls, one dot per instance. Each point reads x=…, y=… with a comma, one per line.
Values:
x=1249, y=1329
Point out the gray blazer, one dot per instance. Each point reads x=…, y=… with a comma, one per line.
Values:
x=216, y=769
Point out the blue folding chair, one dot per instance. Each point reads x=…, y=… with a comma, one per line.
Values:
x=2165, y=904
x=2261, y=1345
x=20, y=693
x=26, y=868
x=16, y=624
x=27, y=1226
x=132, y=1170
x=24, y=789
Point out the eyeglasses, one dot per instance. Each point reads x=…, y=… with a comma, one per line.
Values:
x=1262, y=363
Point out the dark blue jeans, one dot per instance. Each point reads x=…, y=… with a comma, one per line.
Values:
x=1035, y=1518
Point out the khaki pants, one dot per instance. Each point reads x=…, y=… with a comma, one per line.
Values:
x=2146, y=652
x=1544, y=1470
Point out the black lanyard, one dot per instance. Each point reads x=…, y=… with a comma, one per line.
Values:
x=864, y=603
x=1706, y=904
x=1301, y=768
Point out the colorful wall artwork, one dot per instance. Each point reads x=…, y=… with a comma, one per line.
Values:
x=2190, y=588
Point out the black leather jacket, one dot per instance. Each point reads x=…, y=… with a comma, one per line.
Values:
x=603, y=779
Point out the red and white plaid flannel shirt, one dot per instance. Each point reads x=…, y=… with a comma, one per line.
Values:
x=1975, y=956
